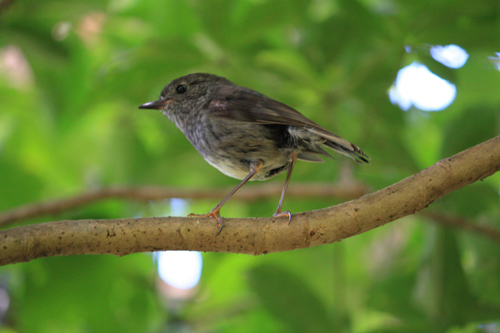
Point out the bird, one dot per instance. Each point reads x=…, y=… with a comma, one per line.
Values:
x=245, y=134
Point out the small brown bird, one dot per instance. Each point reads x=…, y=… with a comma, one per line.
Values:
x=243, y=133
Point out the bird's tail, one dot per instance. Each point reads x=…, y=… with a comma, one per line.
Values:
x=347, y=148
x=341, y=145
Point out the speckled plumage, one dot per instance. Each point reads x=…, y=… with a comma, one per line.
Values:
x=243, y=133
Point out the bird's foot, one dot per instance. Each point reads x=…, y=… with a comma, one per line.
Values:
x=213, y=213
x=285, y=213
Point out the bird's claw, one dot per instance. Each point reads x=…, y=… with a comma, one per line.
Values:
x=213, y=213
x=285, y=213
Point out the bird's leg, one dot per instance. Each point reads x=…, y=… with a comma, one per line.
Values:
x=286, y=213
x=215, y=212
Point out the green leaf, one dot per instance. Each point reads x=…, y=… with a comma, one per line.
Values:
x=289, y=299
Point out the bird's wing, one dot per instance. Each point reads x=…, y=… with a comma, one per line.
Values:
x=247, y=105
x=242, y=104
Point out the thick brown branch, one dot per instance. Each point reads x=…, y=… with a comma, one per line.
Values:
x=255, y=235
x=341, y=191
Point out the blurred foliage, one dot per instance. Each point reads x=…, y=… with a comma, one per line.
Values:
x=72, y=75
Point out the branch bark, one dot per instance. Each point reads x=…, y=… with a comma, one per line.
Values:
x=254, y=235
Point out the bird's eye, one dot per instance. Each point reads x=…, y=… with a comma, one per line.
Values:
x=181, y=89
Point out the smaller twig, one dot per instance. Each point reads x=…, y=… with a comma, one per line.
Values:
x=459, y=222
x=145, y=194
x=5, y=4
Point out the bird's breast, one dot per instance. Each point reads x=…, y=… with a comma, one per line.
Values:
x=239, y=169
x=231, y=146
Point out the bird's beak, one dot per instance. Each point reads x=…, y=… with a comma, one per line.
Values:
x=158, y=105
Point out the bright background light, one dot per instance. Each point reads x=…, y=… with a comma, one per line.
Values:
x=452, y=56
x=495, y=60
x=180, y=269
x=178, y=207
x=417, y=86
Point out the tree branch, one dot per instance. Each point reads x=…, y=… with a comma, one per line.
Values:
x=5, y=4
x=462, y=223
x=254, y=235
x=342, y=190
